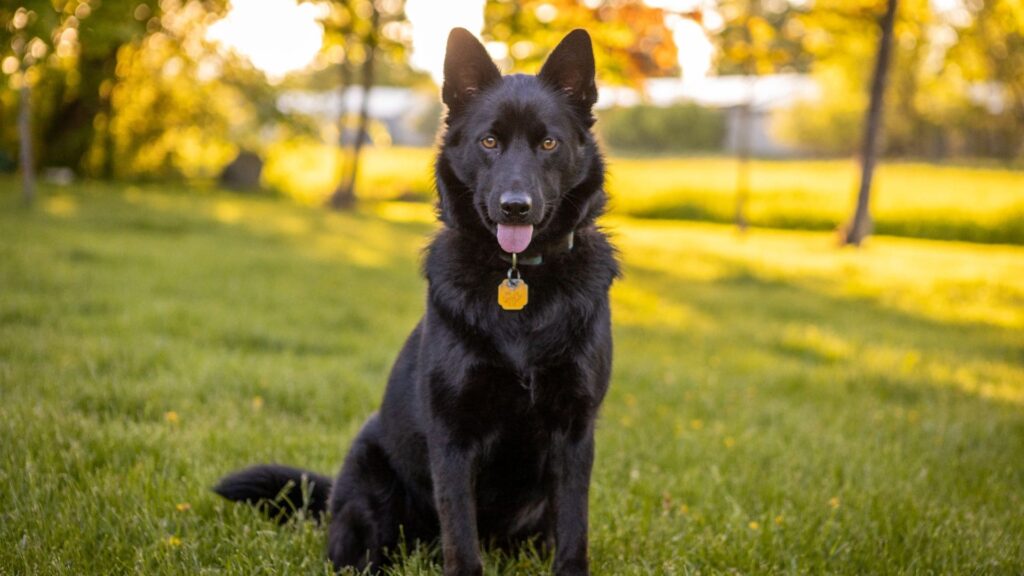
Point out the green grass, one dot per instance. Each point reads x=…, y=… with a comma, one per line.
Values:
x=973, y=204
x=912, y=200
x=778, y=406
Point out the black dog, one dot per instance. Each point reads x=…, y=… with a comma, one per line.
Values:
x=486, y=431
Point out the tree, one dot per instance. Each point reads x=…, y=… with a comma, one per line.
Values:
x=346, y=193
x=360, y=33
x=26, y=35
x=73, y=47
x=991, y=53
x=211, y=102
x=757, y=39
x=631, y=40
x=951, y=82
x=81, y=122
x=28, y=170
x=858, y=229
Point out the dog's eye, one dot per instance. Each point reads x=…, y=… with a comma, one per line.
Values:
x=489, y=142
x=549, y=144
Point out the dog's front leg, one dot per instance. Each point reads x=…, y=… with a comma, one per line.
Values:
x=574, y=459
x=452, y=471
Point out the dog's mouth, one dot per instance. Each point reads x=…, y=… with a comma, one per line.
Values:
x=514, y=238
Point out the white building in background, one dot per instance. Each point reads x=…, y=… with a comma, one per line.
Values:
x=400, y=110
x=403, y=111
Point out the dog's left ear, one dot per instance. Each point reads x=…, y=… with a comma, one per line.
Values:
x=570, y=69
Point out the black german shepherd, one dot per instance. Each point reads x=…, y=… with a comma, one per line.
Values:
x=486, y=432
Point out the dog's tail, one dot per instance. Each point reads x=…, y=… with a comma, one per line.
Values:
x=279, y=491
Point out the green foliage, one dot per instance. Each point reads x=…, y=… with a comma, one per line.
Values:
x=27, y=58
x=209, y=104
x=73, y=64
x=191, y=137
x=130, y=88
x=760, y=37
x=351, y=27
x=26, y=33
x=631, y=40
x=672, y=129
x=777, y=406
x=943, y=61
x=991, y=52
x=832, y=125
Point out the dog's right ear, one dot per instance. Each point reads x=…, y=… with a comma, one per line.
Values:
x=570, y=69
x=468, y=69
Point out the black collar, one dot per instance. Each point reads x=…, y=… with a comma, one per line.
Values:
x=560, y=247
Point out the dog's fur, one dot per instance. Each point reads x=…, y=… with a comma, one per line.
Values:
x=486, y=431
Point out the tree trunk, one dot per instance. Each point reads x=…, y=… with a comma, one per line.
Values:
x=28, y=173
x=364, y=122
x=345, y=78
x=345, y=195
x=860, y=227
x=743, y=131
x=743, y=147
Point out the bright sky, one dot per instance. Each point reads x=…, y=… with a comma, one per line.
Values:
x=431, y=24
x=281, y=36
x=694, y=48
x=278, y=36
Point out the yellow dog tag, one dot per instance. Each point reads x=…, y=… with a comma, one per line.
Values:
x=513, y=294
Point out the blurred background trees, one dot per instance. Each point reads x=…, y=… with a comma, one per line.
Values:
x=953, y=94
x=141, y=89
x=361, y=37
x=631, y=40
x=757, y=39
x=25, y=43
x=860, y=226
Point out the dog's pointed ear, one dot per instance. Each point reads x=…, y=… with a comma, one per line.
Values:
x=468, y=69
x=570, y=69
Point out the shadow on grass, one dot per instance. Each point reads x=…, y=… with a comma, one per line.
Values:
x=1007, y=229
x=883, y=346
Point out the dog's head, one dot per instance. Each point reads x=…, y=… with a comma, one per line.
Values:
x=518, y=162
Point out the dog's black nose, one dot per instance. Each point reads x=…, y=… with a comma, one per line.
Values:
x=515, y=204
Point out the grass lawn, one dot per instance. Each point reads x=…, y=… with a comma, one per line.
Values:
x=778, y=406
x=910, y=200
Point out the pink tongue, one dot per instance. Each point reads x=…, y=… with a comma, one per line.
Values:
x=514, y=239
